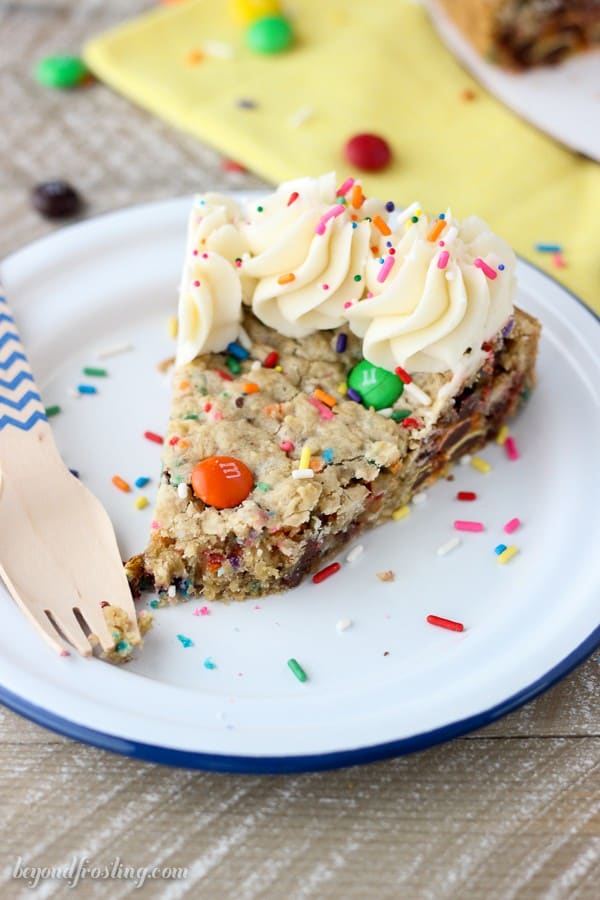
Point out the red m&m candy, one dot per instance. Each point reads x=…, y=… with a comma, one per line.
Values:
x=368, y=152
x=222, y=481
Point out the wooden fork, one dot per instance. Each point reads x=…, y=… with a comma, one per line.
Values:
x=58, y=551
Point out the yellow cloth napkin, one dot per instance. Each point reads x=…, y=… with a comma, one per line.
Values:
x=355, y=67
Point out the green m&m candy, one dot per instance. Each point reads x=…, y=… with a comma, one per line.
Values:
x=377, y=387
x=271, y=34
x=60, y=71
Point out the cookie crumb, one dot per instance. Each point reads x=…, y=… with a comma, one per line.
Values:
x=386, y=576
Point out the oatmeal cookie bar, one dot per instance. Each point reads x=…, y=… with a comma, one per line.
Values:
x=519, y=34
x=363, y=464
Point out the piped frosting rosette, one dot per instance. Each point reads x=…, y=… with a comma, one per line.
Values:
x=309, y=246
x=210, y=306
x=441, y=291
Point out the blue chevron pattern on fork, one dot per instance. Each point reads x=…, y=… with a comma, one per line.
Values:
x=20, y=404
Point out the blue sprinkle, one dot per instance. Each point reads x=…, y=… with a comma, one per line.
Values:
x=501, y=267
x=353, y=395
x=237, y=350
x=548, y=248
x=388, y=243
x=381, y=260
x=341, y=343
x=355, y=224
x=499, y=549
x=74, y=472
x=209, y=663
x=154, y=604
x=442, y=216
x=86, y=389
x=185, y=641
x=328, y=455
x=390, y=206
x=142, y=481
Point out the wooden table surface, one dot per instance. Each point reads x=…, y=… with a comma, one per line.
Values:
x=509, y=811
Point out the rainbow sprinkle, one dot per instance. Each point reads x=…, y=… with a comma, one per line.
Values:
x=508, y=554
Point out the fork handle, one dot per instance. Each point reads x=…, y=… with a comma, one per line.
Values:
x=21, y=406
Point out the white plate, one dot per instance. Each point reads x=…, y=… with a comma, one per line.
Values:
x=563, y=100
x=391, y=683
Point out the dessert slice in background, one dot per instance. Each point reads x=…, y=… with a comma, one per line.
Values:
x=367, y=359
x=520, y=34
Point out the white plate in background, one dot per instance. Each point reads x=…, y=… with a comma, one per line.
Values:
x=562, y=100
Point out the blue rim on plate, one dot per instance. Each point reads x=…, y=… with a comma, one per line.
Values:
x=285, y=765
x=275, y=765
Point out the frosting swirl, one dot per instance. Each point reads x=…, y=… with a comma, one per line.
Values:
x=210, y=306
x=309, y=254
x=432, y=303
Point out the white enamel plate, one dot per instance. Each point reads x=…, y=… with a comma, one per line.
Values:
x=391, y=682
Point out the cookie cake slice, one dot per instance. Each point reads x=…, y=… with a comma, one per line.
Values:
x=330, y=365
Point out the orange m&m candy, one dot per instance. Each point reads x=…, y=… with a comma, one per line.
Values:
x=222, y=481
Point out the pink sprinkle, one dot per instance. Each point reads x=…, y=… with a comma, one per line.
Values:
x=195, y=253
x=217, y=415
x=369, y=294
x=154, y=525
x=443, y=259
x=205, y=256
x=512, y=526
x=347, y=304
x=461, y=525
x=336, y=210
x=345, y=187
x=286, y=446
x=64, y=653
x=203, y=611
x=511, y=448
x=196, y=284
x=442, y=244
x=385, y=269
x=487, y=270
x=325, y=287
x=324, y=411
x=238, y=263
x=559, y=261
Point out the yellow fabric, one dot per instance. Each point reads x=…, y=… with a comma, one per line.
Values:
x=376, y=66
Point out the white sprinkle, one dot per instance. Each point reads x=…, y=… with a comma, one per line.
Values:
x=355, y=553
x=416, y=394
x=256, y=365
x=450, y=276
x=301, y=116
x=218, y=49
x=303, y=473
x=244, y=339
x=386, y=413
x=172, y=591
x=406, y=214
x=448, y=546
x=344, y=624
x=183, y=491
x=113, y=351
x=465, y=460
x=419, y=498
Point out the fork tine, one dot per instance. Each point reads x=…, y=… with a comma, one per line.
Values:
x=72, y=631
x=93, y=615
x=41, y=621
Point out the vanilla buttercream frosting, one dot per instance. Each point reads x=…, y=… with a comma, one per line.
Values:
x=442, y=290
x=311, y=255
x=309, y=244
x=210, y=305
